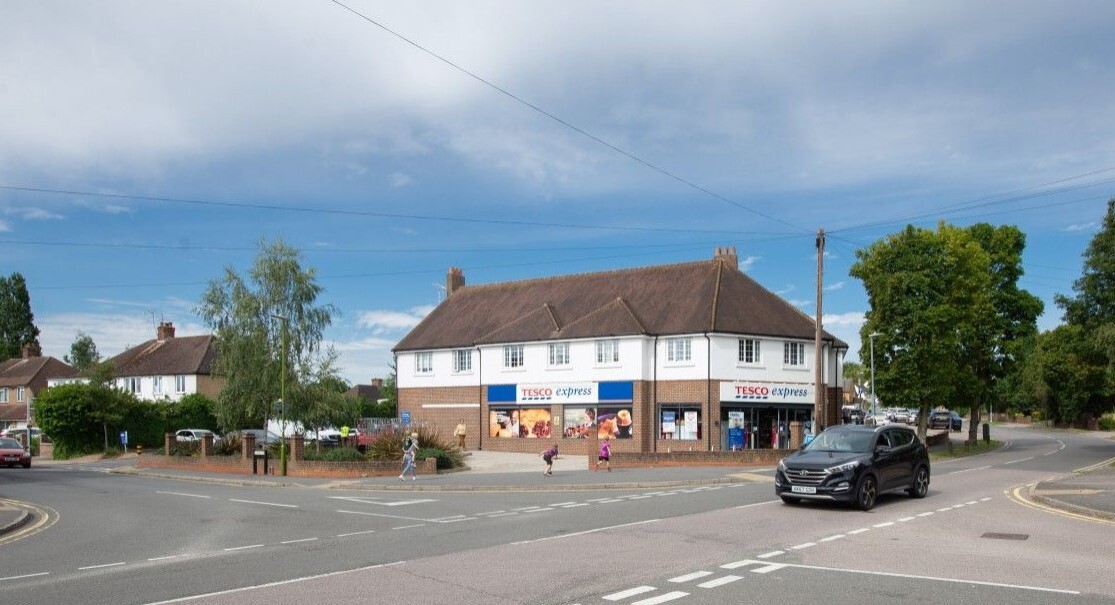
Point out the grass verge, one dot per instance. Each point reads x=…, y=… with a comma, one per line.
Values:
x=964, y=449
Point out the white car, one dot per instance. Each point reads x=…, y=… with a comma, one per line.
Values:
x=189, y=435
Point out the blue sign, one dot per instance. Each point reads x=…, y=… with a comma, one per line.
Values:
x=406, y=418
x=736, y=438
x=124, y=438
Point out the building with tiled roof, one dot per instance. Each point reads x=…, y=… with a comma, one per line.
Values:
x=685, y=356
x=21, y=380
x=168, y=367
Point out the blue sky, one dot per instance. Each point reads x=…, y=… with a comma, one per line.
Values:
x=147, y=146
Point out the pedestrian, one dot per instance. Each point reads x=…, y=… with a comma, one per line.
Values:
x=605, y=455
x=410, y=450
x=460, y=433
x=548, y=456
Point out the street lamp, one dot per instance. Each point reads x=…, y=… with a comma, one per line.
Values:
x=282, y=398
x=871, y=337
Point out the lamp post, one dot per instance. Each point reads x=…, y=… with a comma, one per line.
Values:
x=871, y=337
x=282, y=398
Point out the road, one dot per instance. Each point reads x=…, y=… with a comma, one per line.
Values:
x=128, y=539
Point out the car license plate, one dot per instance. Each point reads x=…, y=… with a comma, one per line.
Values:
x=11, y=458
x=802, y=489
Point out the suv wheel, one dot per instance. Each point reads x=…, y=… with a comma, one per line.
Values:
x=920, y=486
x=789, y=500
x=867, y=493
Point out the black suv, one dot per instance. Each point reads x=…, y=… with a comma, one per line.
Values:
x=854, y=464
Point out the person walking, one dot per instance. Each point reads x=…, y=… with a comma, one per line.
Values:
x=460, y=433
x=410, y=450
x=605, y=455
x=548, y=456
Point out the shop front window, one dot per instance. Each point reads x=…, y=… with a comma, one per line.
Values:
x=680, y=422
x=609, y=422
x=520, y=423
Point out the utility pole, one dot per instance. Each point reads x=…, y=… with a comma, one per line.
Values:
x=819, y=407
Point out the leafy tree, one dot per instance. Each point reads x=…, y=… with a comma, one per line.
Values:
x=263, y=322
x=78, y=417
x=927, y=290
x=17, y=322
x=1094, y=303
x=856, y=372
x=83, y=353
x=389, y=392
x=1066, y=374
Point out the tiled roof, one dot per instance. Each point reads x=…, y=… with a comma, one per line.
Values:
x=367, y=391
x=20, y=372
x=688, y=298
x=13, y=412
x=175, y=355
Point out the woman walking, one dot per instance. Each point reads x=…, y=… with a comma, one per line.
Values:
x=605, y=455
x=410, y=449
x=548, y=456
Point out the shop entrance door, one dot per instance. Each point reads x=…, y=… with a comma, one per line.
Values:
x=767, y=419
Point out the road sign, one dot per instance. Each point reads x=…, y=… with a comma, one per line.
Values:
x=406, y=418
x=124, y=438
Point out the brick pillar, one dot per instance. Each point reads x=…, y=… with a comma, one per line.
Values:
x=795, y=434
x=168, y=443
x=206, y=445
x=593, y=447
x=247, y=445
x=297, y=447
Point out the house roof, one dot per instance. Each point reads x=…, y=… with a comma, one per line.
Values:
x=367, y=391
x=22, y=371
x=173, y=355
x=687, y=298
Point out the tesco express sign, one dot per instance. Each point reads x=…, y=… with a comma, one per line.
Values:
x=557, y=393
x=750, y=391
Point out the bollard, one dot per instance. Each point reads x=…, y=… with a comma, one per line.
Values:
x=986, y=433
x=139, y=450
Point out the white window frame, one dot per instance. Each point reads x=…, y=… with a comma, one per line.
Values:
x=19, y=394
x=157, y=385
x=559, y=354
x=793, y=355
x=3, y=394
x=750, y=351
x=513, y=358
x=679, y=350
x=424, y=362
x=462, y=361
x=134, y=385
x=607, y=352
x=180, y=383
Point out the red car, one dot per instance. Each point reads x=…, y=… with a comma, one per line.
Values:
x=12, y=453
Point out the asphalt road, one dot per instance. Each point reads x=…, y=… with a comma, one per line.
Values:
x=127, y=539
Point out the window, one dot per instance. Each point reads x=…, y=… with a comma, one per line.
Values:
x=559, y=354
x=3, y=395
x=680, y=422
x=513, y=356
x=19, y=395
x=793, y=354
x=748, y=351
x=607, y=351
x=462, y=360
x=179, y=384
x=157, y=385
x=133, y=385
x=424, y=363
x=678, y=349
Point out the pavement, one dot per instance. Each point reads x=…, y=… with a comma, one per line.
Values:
x=1089, y=492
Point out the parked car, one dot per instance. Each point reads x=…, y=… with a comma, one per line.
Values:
x=854, y=464
x=851, y=415
x=262, y=437
x=12, y=453
x=18, y=433
x=946, y=419
x=189, y=435
x=328, y=437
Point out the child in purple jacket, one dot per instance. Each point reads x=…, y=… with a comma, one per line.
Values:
x=548, y=456
x=605, y=455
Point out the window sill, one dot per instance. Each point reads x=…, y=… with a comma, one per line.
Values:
x=795, y=368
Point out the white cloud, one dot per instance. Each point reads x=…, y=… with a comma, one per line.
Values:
x=836, y=286
x=34, y=214
x=384, y=320
x=784, y=291
x=4, y=227
x=1089, y=226
x=113, y=333
x=399, y=179
x=800, y=303
x=746, y=263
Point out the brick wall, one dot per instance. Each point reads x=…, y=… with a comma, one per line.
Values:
x=445, y=420
x=699, y=458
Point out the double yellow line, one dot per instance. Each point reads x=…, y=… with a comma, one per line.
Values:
x=1020, y=495
x=43, y=518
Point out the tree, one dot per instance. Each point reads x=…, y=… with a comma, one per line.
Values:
x=1066, y=374
x=927, y=291
x=262, y=323
x=83, y=353
x=1094, y=303
x=78, y=416
x=856, y=372
x=17, y=322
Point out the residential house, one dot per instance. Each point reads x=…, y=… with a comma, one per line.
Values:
x=22, y=379
x=168, y=368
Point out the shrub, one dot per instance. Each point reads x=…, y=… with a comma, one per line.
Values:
x=228, y=446
x=444, y=458
x=388, y=445
x=1107, y=423
x=186, y=448
x=335, y=454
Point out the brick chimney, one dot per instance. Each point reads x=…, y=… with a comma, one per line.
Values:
x=727, y=254
x=165, y=330
x=377, y=383
x=31, y=349
x=454, y=281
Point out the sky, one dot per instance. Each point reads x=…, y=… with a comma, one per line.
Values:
x=146, y=147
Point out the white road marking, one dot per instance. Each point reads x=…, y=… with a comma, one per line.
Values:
x=769, y=568
x=524, y=508
x=243, y=547
x=492, y=512
x=367, y=514
x=771, y=554
x=370, y=500
x=638, y=497
x=30, y=575
x=801, y=546
x=582, y=533
x=576, y=505
x=944, y=510
x=297, y=541
x=905, y=519
x=273, y=584
x=610, y=500
x=758, y=504
x=118, y=563
x=931, y=578
x=972, y=502
x=182, y=494
x=598, y=500
x=738, y=564
x=501, y=515
x=536, y=510
x=164, y=558
x=669, y=596
x=690, y=576
x=966, y=470
x=885, y=524
x=1022, y=460
x=859, y=531
x=630, y=592
x=409, y=526
x=719, y=581
x=263, y=503
x=559, y=504
x=831, y=538
x=925, y=514
x=668, y=494
x=984, y=499
x=357, y=533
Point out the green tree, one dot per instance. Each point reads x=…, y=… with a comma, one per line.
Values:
x=83, y=353
x=927, y=290
x=856, y=372
x=1094, y=303
x=389, y=392
x=79, y=417
x=264, y=322
x=1066, y=375
x=17, y=322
